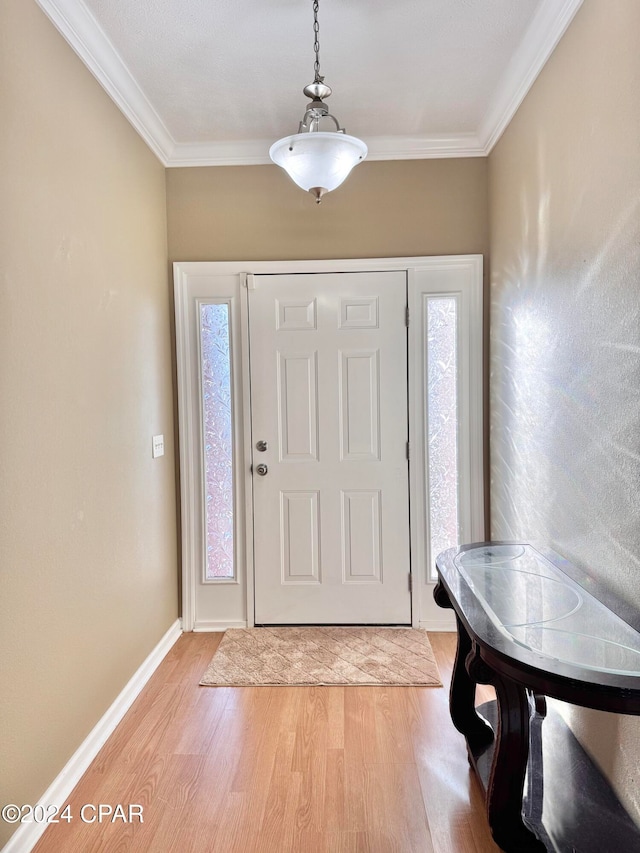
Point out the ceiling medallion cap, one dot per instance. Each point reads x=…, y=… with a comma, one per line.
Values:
x=317, y=90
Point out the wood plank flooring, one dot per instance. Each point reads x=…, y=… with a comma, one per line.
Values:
x=281, y=769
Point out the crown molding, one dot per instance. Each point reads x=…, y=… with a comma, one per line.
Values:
x=546, y=29
x=256, y=152
x=423, y=147
x=83, y=33
x=244, y=152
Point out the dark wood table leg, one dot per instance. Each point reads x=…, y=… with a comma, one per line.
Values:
x=535, y=792
x=506, y=781
x=462, y=694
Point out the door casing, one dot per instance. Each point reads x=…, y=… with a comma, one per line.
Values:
x=231, y=603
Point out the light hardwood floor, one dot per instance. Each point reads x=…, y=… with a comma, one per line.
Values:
x=281, y=769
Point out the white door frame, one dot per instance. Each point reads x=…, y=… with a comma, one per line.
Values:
x=460, y=274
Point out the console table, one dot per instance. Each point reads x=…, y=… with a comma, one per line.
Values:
x=535, y=626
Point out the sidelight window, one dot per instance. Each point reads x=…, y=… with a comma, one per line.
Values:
x=442, y=457
x=217, y=434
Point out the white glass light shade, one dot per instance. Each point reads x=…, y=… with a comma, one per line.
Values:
x=318, y=159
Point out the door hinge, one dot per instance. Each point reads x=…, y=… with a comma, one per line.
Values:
x=248, y=280
x=406, y=316
x=408, y=450
x=410, y=582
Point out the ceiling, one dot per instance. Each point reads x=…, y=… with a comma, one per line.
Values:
x=215, y=82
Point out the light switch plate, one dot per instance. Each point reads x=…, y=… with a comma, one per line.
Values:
x=158, y=446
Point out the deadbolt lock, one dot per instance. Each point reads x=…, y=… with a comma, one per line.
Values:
x=261, y=446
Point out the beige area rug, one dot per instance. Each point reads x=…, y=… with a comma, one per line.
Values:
x=272, y=656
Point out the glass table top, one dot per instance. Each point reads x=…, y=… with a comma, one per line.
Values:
x=544, y=610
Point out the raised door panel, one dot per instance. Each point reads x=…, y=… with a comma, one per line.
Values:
x=300, y=537
x=297, y=389
x=362, y=536
x=295, y=315
x=359, y=411
x=359, y=312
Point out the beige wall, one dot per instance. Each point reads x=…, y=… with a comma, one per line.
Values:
x=565, y=321
x=385, y=209
x=87, y=518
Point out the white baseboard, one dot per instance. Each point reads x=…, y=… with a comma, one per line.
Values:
x=446, y=622
x=204, y=626
x=27, y=835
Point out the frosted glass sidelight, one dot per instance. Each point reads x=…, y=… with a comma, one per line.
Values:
x=217, y=429
x=442, y=426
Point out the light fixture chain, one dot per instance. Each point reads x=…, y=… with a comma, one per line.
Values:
x=316, y=42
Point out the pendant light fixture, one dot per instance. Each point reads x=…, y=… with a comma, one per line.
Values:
x=318, y=160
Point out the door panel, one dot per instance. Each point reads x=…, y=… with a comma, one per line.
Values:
x=297, y=391
x=300, y=518
x=361, y=537
x=359, y=405
x=329, y=397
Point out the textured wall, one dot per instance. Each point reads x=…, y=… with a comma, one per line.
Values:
x=565, y=320
x=88, y=577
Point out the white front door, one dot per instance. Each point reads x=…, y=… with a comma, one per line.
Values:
x=328, y=356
